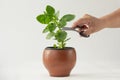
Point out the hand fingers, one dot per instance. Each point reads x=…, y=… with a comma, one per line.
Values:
x=87, y=16
x=90, y=21
x=80, y=22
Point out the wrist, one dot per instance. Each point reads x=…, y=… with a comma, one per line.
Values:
x=103, y=22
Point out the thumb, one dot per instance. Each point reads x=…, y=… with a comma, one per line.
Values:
x=88, y=31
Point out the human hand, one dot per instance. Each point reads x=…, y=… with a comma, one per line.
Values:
x=94, y=24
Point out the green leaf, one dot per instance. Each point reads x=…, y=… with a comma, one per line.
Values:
x=57, y=15
x=47, y=19
x=55, y=46
x=68, y=17
x=51, y=27
x=60, y=35
x=62, y=23
x=45, y=30
x=50, y=10
x=44, y=19
x=50, y=35
x=41, y=18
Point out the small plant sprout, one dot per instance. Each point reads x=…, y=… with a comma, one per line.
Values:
x=54, y=25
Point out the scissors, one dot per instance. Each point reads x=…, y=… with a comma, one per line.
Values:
x=78, y=29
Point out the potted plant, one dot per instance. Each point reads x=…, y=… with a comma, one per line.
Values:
x=58, y=59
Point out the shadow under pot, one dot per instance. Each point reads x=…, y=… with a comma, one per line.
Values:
x=59, y=62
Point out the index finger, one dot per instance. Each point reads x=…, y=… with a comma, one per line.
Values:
x=79, y=22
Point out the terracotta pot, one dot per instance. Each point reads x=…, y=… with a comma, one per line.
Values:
x=59, y=62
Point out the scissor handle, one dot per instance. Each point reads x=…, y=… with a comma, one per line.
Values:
x=84, y=35
x=82, y=31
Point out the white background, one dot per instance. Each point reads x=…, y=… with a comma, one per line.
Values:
x=22, y=41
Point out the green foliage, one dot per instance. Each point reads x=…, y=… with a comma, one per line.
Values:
x=51, y=27
x=43, y=18
x=54, y=25
x=57, y=15
x=50, y=35
x=60, y=35
x=62, y=23
x=50, y=10
x=45, y=30
x=68, y=17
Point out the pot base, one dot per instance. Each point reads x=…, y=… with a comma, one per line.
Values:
x=66, y=75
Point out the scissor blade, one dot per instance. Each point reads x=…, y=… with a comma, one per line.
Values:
x=76, y=29
x=67, y=28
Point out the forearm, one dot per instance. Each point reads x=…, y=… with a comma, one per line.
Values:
x=111, y=20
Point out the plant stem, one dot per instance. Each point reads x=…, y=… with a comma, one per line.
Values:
x=62, y=44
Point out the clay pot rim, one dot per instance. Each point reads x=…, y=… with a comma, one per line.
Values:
x=52, y=48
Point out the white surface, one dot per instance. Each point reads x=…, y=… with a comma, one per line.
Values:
x=82, y=71
x=22, y=43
